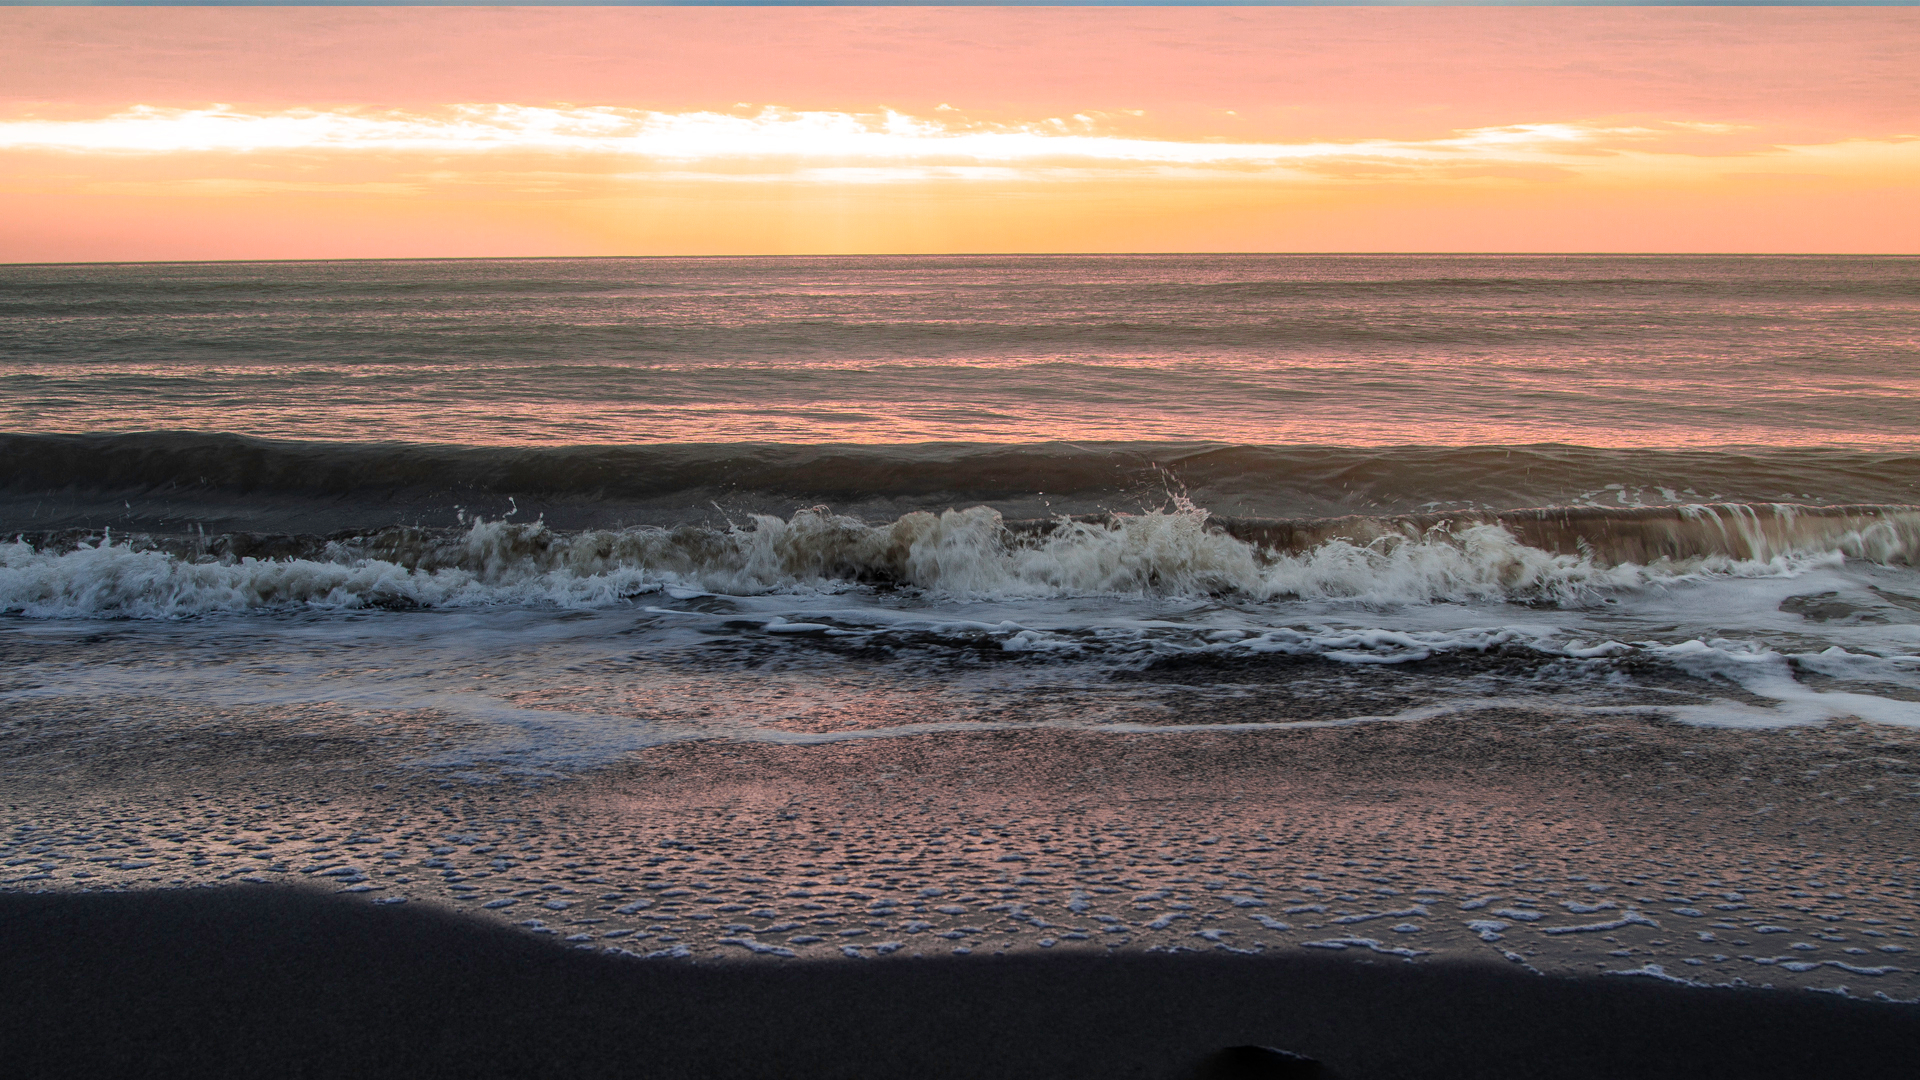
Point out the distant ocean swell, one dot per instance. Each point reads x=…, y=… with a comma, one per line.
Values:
x=1567, y=556
x=1277, y=481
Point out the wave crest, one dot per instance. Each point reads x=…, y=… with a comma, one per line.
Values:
x=1546, y=556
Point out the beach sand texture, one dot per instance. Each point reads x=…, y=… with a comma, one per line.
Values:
x=1452, y=906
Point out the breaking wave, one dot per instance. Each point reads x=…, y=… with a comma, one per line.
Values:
x=1546, y=556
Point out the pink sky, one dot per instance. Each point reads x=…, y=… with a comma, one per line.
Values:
x=143, y=133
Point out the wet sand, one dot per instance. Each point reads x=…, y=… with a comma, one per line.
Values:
x=1624, y=846
x=287, y=982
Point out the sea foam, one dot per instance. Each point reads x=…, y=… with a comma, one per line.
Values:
x=959, y=554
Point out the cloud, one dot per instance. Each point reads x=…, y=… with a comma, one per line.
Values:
x=519, y=155
x=861, y=147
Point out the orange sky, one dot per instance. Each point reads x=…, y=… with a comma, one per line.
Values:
x=153, y=133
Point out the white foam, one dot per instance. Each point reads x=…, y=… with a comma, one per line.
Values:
x=1768, y=673
x=1631, y=918
x=528, y=636
x=960, y=554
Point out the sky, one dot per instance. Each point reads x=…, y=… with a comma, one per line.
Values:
x=289, y=133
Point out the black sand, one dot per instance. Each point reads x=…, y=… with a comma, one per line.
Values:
x=281, y=982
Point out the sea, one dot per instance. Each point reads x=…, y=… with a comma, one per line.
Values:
x=579, y=511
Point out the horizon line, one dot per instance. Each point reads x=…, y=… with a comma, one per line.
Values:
x=1005, y=255
x=964, y=3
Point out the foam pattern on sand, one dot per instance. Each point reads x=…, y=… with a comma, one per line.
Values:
x=710, y=851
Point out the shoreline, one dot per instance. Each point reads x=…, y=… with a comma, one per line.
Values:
x=1504, y=837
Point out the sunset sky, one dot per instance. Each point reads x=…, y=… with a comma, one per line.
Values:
x=219, y=133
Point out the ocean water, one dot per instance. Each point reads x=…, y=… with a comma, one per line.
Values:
x=576, y=511
x=1699, y=467
x=1248, y=350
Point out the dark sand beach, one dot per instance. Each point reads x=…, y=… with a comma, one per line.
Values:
x=284, y=982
